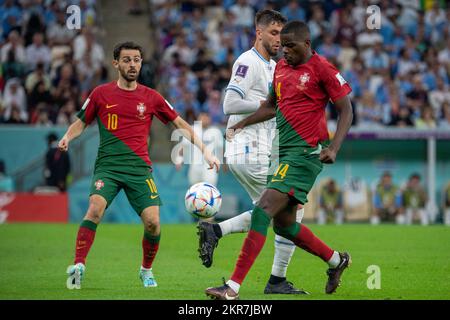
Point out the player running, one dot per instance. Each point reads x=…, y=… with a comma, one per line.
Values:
x=124, y=111
x=303, y=84
x=248, y=154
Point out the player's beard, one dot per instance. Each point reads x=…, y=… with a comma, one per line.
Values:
x=269, y=49
x=127, y=76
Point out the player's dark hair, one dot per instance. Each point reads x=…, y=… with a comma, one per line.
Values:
x=298, y=28
x=266, y=17
x=129, y=45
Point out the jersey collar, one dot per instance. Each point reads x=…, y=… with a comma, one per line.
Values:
x=260, y=56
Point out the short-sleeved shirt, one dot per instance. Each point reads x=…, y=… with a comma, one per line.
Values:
x=302, y=93
x=251, y=78
x=124, y=119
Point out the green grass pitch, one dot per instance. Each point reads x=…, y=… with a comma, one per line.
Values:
x=414, y=263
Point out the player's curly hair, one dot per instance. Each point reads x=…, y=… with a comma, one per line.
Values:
x=124, y=46
x=267, y=16
x=299, y=28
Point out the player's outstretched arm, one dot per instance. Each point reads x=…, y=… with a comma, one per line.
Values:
x=265, y=112
x=233, y=103
x=344, y=109
x=189, y=134
x=74, y=130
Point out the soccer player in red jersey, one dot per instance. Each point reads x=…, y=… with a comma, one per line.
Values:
x=302, y=85
x=124, y=111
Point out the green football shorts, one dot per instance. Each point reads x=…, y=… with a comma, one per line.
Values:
x=141, y=190
x=296, y=178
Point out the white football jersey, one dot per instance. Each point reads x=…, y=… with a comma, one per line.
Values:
x=251, y=77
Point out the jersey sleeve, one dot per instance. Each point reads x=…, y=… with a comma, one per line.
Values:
x=242, y=76
x=335, y=85
x=163, y=109
x=89, y=109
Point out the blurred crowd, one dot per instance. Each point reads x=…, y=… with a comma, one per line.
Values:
x=47, y=69
x=382, y=202
x=399, y=73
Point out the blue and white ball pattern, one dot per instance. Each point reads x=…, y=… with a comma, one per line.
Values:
x=203, y=200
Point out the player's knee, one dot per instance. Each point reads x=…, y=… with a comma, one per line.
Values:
x=151, y=224
x=95, y=211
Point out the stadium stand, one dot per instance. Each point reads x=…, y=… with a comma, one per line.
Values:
x=399, y=75
x=47, y=69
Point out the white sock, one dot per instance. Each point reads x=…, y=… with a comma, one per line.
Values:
x=237, y=224
x=234, y=285
x=284, y=249
x=334, y=260
x=145, y=269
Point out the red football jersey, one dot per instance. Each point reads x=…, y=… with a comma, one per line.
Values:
x=124, y=119
x=302, y=93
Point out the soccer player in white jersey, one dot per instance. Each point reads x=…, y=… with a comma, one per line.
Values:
x=248, y=153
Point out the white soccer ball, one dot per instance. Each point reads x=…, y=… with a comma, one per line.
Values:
x=203, y=200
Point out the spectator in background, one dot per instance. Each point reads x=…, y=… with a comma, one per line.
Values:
x=212, y=137
x=243, y=13
x=293, y=11
x=14, y=98
x=376, y=60
x=11, y=17
x=38, y=52
x=188, y=106
x=414, y=201
x=330, y=204
x=43, y=119
x=6, y=182
x=402, y=119
x=185, y=53
x=426, y=120
x=38, y=75
x=387, y=201
x=444, y=123
x=370, y=114
x=57, y=164
x=12, y=68
x=67, y=114
x=13, y=117
x=57, y=33
x=417, y=98
x=213, y=107
x=318, y=25
x=329, y=49
x=14, y=44
x=439, y=96
x=65, y=85
x=346, y=54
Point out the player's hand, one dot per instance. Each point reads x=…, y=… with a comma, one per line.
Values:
x=327, y=155
x=231, y=132
x=63, y=144
x=213, y=162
